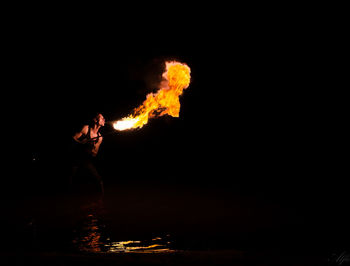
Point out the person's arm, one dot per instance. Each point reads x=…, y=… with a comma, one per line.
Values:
x=97, y=146
x=77, y=135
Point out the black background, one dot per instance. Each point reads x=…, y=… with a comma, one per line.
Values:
x=258, y=102
x=262, y=111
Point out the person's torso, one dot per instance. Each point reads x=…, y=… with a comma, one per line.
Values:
x=91, y=140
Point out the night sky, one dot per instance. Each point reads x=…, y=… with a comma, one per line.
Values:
x=259, y=114
x=254, y=109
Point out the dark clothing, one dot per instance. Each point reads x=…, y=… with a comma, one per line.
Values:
x=87, y=167
x=83, y=160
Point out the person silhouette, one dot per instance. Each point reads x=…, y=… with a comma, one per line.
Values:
x=88, y=141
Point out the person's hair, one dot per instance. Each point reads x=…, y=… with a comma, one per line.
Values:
x=94, y=118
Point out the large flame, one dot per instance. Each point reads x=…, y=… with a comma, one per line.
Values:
x=176, y=78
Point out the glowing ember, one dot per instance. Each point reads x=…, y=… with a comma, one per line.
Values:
x=165, y=101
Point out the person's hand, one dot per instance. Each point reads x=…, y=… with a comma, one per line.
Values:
x=99, y=140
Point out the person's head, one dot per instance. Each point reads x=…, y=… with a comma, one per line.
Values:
x=99, y=120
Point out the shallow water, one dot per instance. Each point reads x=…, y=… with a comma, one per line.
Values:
x=92, y=236
x=155, y=219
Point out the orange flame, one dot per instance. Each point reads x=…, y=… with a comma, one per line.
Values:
x=164, y=101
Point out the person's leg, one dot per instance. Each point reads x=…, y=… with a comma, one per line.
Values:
x=72, y=174
x=93, y=171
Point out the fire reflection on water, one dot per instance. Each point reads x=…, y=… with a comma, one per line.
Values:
x=90, y=240
x=136, y=246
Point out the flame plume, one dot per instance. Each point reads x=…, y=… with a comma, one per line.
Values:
x=176, y=78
